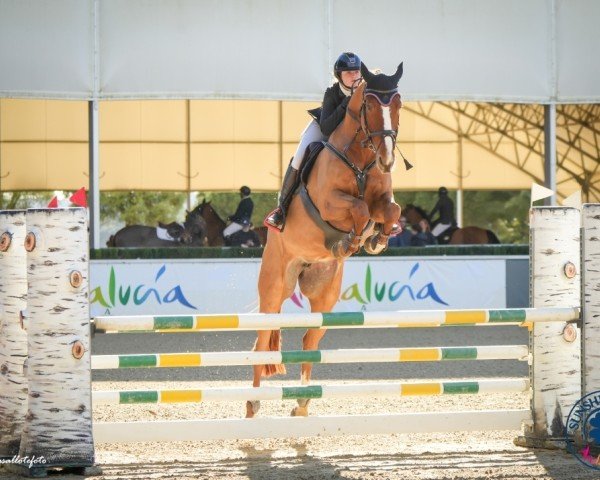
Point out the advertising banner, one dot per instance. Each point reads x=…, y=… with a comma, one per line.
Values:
x=161, y=287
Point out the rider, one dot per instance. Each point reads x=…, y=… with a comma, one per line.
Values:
x=325, y=120
x=242, y=214
x=445, y=207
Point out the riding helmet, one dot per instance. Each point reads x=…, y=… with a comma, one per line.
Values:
x=245, y=191
x=443, y=191
x=346, y=62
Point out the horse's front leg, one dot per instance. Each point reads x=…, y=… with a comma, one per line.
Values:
x=310, y=341
x=342, y=202
x=391, y=214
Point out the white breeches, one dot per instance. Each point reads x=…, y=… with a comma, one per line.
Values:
x=231, y=229
x=440, y=228
x=312, y=133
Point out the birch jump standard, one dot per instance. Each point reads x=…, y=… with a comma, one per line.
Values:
x=58, y=422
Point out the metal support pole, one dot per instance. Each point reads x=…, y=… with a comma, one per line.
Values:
x=550, y=151
x=94, y=187
x=459, y=192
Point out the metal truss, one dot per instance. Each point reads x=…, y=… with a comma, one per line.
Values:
x=514, y=133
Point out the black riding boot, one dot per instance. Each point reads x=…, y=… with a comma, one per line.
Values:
x=276, y=218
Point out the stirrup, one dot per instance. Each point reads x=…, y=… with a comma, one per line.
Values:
x=267, y=222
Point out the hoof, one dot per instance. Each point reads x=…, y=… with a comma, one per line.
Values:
x=300, y=412
x=373, y=247
x=252, y=408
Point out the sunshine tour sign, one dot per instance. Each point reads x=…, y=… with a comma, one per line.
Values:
x=147, y=287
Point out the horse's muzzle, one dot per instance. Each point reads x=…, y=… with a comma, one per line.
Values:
x=385, y=167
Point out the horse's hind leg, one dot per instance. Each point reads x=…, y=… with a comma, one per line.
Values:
x=321, y=283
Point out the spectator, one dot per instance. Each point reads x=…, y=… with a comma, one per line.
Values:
x=424, y=236
x=404, y=238
x=242, y=213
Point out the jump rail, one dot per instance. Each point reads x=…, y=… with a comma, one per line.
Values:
x=393, y=389
x=524, y=317
x=360, y=355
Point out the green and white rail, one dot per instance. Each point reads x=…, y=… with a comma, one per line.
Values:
x=524, y=317
x=444, y=387
x=360, y=355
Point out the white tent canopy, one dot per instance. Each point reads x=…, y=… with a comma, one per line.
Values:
x=495, y=50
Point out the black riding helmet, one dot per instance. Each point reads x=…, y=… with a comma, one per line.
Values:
x=346, y=62
x=443, y=191
x=245, y=191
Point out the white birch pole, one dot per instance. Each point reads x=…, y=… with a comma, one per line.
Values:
x=591, y=298
x=556, y=347
x=13, y=338
x=58, y=425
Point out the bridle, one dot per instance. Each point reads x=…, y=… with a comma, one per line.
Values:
x=385, y=98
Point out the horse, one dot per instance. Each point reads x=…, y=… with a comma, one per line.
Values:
x=192, y=234
x=454, y=235
x=350, y=189
x=216, y=225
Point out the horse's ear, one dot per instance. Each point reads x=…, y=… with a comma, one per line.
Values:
x=368, y=76
x=398, y=75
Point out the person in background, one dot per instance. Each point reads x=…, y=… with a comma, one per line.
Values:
x=404, y=238
x=424, y=236
x=445, y=208
x=325, y=120
x=242, y=213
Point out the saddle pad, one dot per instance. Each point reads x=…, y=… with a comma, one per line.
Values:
x=163, y=234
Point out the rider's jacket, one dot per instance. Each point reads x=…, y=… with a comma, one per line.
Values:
x=244, y=211
x=333, y=110
x=445, y=206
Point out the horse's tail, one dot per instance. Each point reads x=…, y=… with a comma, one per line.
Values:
x=111, y=241
x=274, y=346
x=492, y=238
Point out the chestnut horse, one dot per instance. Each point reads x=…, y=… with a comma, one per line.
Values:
x=351, y=187
x=454, y=235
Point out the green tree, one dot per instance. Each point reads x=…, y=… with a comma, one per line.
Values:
x=22, y=199
x=505, y=212
x=142, y=208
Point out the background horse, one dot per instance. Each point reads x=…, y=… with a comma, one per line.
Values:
x=349, y=187
x=192, y=234
x=454, y=235
x=216, y=225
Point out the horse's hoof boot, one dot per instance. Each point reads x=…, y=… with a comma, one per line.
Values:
x=300, y=412
x=252, y=408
